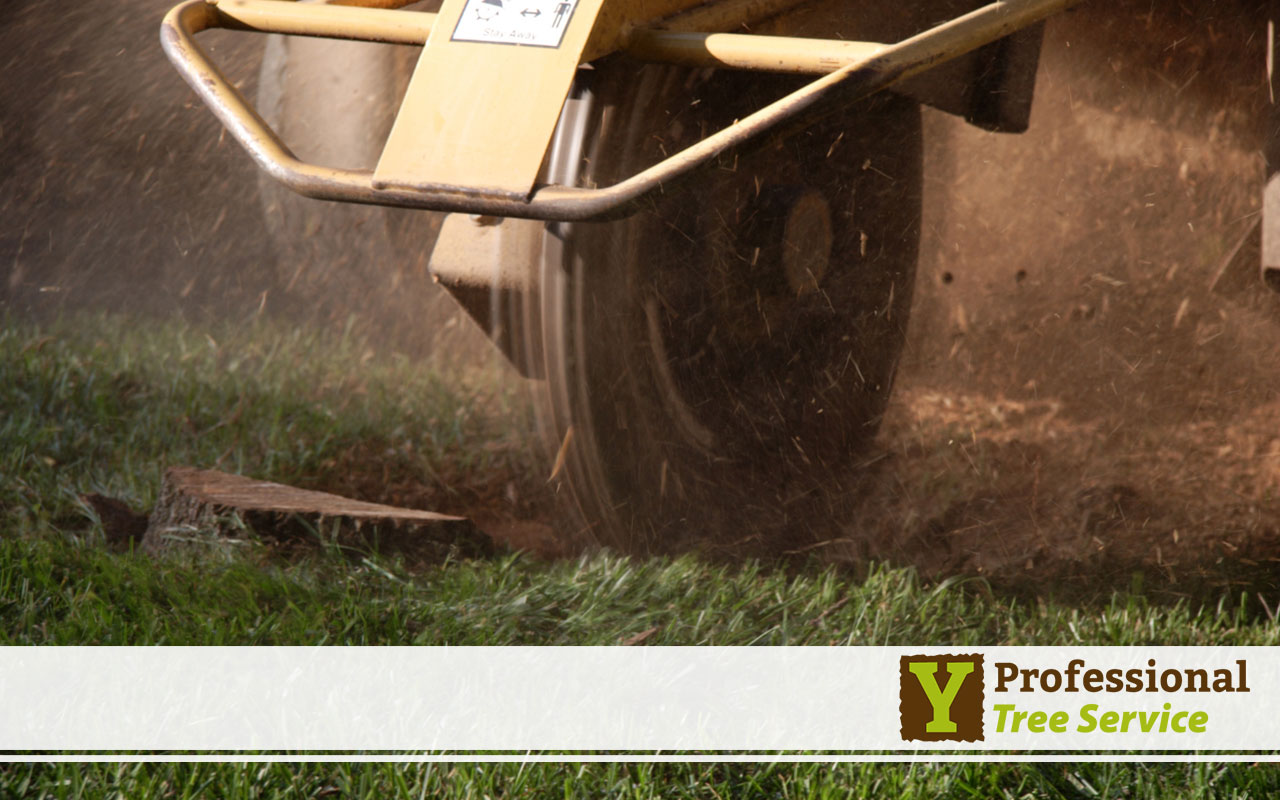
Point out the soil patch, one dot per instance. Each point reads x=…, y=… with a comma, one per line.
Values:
x=1091, y=394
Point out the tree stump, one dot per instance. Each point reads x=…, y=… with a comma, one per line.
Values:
x=205, y=507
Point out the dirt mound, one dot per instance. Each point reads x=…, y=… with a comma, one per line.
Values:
x=1017, y=490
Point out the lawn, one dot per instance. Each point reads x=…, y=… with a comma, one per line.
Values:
x=101, y=404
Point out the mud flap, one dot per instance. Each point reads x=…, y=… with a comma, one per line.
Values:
x=991, y=88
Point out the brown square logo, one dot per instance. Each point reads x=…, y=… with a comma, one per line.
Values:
x=940, y=698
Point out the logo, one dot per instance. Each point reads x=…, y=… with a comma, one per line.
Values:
x=940, y=698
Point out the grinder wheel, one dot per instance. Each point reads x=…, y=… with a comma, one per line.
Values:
x=717, y=361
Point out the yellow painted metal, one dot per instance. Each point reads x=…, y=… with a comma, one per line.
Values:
x=445, y=138
x=620, y=18
x=480, y=115
x=331, y=21
x=371, y=3
x=774, y=53
x=954, y=38
x=857, y=79
x=370, y=20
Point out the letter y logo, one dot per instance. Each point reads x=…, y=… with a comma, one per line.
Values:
x=941, y=700
x=950, y=711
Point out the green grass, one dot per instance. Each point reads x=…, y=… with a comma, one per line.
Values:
x=64, y=592
x=710, y=781
x=102, y=404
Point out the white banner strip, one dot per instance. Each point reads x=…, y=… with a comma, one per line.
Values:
x=702, y=758
x=640, y=698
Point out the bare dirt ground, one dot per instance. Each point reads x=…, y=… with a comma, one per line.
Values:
x=1092, y=385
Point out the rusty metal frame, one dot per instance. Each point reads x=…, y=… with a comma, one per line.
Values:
x=854, y=74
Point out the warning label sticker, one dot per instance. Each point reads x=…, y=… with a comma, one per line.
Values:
x=538, y=23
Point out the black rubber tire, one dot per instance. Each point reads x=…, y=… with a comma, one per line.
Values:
x=697, y=399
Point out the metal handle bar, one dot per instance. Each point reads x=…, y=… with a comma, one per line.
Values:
x=859, y=78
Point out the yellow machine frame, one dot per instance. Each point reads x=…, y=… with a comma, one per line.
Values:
x=441, y=153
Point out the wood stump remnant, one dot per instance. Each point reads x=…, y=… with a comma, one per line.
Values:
x=199, y=506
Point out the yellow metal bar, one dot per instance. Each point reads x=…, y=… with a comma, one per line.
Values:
x=847, y=84
x=864, y=77
x=773, y=53
x=951, y=39
x=371, y=3
x=619, y=20
x=329, y=21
